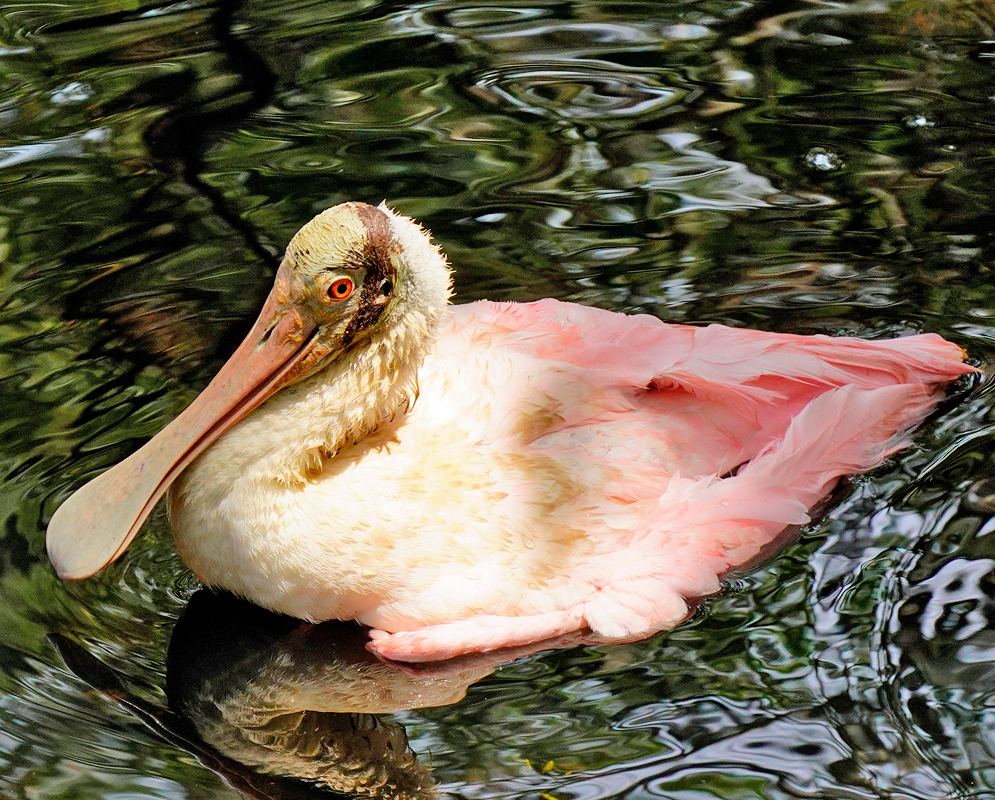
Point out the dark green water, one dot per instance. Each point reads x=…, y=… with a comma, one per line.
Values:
x=799, y=166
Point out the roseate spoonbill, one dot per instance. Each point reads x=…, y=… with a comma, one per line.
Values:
x=462, y=479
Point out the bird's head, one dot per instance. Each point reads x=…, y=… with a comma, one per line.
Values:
x=352, y=273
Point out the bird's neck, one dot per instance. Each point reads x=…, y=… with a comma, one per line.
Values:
x=293, y=435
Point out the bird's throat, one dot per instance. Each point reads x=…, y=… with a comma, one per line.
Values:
x=295, y=435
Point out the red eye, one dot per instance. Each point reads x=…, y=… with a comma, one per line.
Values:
x=341, y=289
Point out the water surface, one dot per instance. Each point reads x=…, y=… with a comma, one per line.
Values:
x=796, y=166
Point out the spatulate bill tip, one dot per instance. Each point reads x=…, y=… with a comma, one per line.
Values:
x=74, y=561
x=80, y=542
x=69, y=567
x=71, y=572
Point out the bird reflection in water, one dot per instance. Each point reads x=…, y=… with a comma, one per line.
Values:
x=283, y=709
x=300, y=700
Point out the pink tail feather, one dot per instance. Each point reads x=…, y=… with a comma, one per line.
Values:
x=732, y=364
x=703, y=528
x=798, y=411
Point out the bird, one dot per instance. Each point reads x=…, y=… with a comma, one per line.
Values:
x=466, y=478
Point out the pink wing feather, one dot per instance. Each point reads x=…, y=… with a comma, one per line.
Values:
x=723, y=438
x=817, y=407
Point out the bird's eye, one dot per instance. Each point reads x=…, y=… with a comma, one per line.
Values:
x=341, y=289
x=386, y=287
